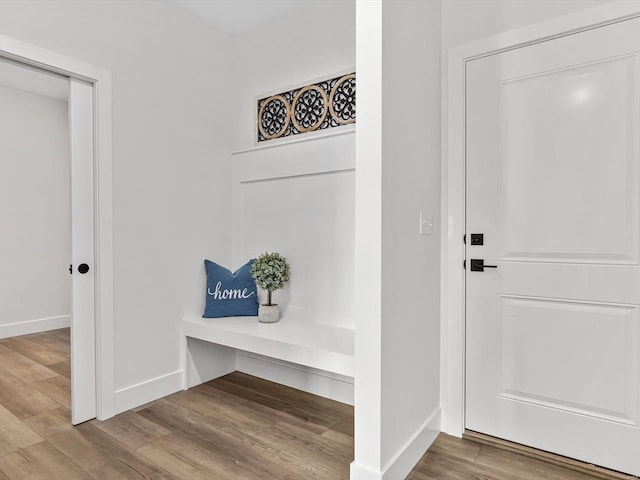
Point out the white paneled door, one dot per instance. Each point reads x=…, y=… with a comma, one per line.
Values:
x=83, y=348
x=552, y=169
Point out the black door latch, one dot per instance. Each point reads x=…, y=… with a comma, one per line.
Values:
x=477, y=265
x=82, y=268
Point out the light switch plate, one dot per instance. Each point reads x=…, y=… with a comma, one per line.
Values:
x=426, y=224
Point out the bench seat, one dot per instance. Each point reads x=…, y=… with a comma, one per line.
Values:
x=320, y=346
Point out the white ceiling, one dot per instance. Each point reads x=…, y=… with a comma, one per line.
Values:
x=230, y=16
x=238, y=16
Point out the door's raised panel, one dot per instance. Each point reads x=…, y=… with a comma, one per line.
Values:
x=574, y=356
x=567, y=177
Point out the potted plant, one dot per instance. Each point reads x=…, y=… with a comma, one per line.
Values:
x=271, y=272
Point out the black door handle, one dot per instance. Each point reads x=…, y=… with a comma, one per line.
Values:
x=477, y=265
x=83, y=268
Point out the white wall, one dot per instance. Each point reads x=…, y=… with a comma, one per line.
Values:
x=301, y=206
x=172, y=173
x=403, y=180
x=410, y=184
x=464, y=21
x=35, y=284
x=467, y=20
x=312, y=42
x=297, y=198
x=367, y=463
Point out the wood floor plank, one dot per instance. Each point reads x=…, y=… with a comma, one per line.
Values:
x=526, y=467
x=173, y=463
x=21, y=399
x=51, y=341
x=299, y=397
x=456, y=447
x=74, y=445
x=308, y=410
x=62, y=336
x=230, y=452
x=261, y=398
x=131, y=429
x=23, y=367
x=344, y=425
x=57, y=388
x=446, y=467
x=219, y=407
x=313, y=449
x=33, y=350
x=62, y=368
x=416, y=475
x=119, y=461
x=339, y=438
x=186, y=459
x=40, y=461
x=546, y=457
x=51, y=422
x=14, y=434
x=278, y=409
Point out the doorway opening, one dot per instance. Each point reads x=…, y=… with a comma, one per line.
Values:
x=79, y=360
x=573, y=33
x=35, y=288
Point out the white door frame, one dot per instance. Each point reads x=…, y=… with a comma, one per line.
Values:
x=452, y=385
x=100, y=80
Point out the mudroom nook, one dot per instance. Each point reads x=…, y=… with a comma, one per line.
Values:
x=295, y=196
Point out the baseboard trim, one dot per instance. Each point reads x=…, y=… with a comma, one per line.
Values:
x=410, y=454
x=148, y=391
x=319, y=382
x=554, y=459
x=360, y=472
x=407, y=457
x=34, y=326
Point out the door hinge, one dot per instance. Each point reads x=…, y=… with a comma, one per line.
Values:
x=464, y=239
x=70, y=269
x=464, y=264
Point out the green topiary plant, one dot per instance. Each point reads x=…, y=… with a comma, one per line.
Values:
x=271, y=272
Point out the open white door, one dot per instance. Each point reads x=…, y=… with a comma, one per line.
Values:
x=83, y=348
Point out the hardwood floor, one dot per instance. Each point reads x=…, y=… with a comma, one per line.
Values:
x=235, y=427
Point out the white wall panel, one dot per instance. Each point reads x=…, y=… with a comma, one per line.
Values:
x=310, y=220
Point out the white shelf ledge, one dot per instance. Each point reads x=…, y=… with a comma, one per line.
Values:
x=306, y=137
x=315, y=345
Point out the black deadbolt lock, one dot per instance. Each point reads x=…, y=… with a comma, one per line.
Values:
x=83, y=268
x=477, y=239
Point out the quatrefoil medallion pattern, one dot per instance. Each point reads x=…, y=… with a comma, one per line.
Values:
x=309, y=108
x=342, y=102
x=319, y=106
x=274, y=117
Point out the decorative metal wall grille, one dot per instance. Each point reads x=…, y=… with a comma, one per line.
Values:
x=323, y=105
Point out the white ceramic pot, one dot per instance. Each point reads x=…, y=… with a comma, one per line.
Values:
x=268, y=313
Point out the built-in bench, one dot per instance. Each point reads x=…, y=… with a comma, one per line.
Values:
x=322, y=347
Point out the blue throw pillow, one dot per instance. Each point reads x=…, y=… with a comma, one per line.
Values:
x=230, y=294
